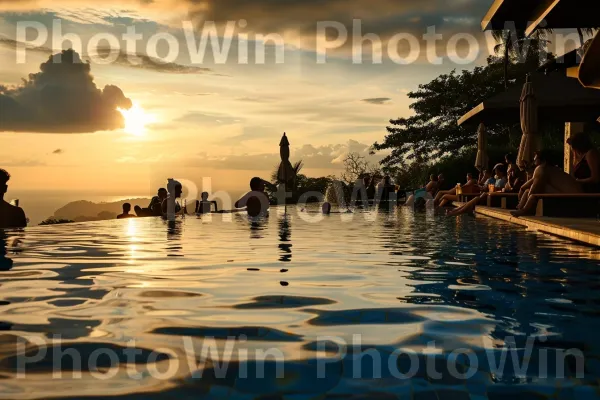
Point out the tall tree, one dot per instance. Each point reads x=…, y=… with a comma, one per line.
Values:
x=433, y=130
x=517, y=48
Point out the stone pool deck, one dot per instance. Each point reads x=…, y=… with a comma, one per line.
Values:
x=585, y=230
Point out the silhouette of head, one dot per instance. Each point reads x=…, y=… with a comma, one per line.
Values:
x=162, y=193
x=126, y=208
x=387, y=180
x=581, y=143
x=469, y=176
x=257, y=184
x=539, y=158
x=366, y=180
x=4, y=178
x=326, y=208
x=204, y=196
x=509, y=158
x=500, y=170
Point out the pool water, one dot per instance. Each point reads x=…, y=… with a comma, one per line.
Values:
x=377, y=304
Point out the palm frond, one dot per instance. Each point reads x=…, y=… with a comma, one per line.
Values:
x=298, y=166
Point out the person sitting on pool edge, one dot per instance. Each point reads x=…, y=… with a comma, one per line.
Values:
x=587, y=162
x=450, y=196
x=546, y=179
x=500, y=183
x=486, y=179
x=255, y=201
x=10, y=216
x=126, y=211
x=432, y=186
x=204, y=205
x=514, y=180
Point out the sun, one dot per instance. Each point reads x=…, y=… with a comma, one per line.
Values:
x=136, y=120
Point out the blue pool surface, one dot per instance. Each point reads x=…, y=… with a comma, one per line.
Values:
x=371, y=305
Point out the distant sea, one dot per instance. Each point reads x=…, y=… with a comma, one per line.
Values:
x=39, y=205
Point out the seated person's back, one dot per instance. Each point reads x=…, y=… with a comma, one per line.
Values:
x=10, y=216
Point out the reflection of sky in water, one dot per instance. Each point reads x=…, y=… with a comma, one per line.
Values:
x=399, y=280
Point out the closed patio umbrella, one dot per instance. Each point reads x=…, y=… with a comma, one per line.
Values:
x=529, y=126
x=286, y=172
x=482, y=160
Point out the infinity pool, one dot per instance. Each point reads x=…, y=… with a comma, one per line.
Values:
x=367, y=305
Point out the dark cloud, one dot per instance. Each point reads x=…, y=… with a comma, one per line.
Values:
x=11, y=43
x=140, y=61
x=143, y=61
x=381, y=17
x=61, y=98
x=377, y=100
x=58, y=151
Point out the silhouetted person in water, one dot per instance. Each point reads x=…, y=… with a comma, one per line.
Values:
x=165, y=203
x=386, y=190
x=256, y=201
x=155, y=206
x=10, y=216
x=126, y=211
x=371, y=189
x=204, y=206
x=156, y=202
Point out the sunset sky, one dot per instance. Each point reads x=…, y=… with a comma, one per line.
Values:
x=219, y=120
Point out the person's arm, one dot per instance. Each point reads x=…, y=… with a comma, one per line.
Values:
x=527, y=185
x=593, y=161
x=241, y=203
x=472, y=182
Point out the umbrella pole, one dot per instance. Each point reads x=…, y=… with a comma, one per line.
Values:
x=284, y=193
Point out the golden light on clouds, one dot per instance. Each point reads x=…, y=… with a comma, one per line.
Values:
x=136, y=120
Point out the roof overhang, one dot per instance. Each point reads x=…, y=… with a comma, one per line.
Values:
x=559, y=98
x=530, y=15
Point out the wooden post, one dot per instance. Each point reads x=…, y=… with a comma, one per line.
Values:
x=571, y=128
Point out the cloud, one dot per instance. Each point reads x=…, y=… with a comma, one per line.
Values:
x=296, y=20
x=382, y=17
x=11, y=43
x=7, y=162
x=143, y=61
x=201, y=118
x=377, y=100
x=315, y=157
x=58, y=151
x=138, y=60
x=61, y=98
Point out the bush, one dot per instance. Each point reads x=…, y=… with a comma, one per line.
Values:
x=54, y=221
